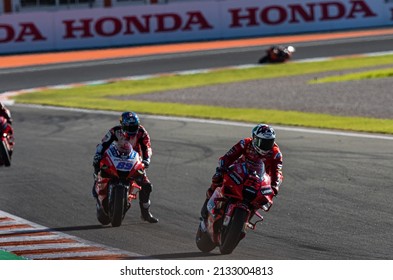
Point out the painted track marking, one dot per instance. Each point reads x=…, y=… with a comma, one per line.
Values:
x=36, y=242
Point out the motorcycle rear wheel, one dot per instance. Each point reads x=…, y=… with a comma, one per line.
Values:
x=203, y=241
x=263, y=59
x=4, y=154
x=117, y=206
x=234, y=231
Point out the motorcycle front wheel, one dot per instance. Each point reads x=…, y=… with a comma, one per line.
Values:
x=102, y=217
x=232, y=235
x=4, y=154
x=117, y=204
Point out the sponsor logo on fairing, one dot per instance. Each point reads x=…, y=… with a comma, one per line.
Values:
x=265, y=191
x=235, y=177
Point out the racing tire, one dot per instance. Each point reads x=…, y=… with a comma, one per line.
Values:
x=203, y=241
x=117, y=202
x=263, y=59
x=234, y=232
x=102, y=217
x=4, y=154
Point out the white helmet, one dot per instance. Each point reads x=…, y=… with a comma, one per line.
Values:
x=291, y=49
x=263, y=137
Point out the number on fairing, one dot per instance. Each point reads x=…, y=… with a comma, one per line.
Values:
x=124, y=165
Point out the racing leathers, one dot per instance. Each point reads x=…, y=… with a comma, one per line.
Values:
x=6, y=113
x=141, y=143
x=5, y=123
x=244, y=151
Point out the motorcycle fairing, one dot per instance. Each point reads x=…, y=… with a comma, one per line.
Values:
x=123, y=162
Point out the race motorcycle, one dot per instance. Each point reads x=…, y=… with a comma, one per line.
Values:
x=277, y=54
x=7, y=143
x=116, y=185
x=231, y=207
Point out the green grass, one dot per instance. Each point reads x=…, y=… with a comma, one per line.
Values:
x=375, y=74
x=105, y=97
x=9, y=256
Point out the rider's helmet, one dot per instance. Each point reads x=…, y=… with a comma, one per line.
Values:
x=263, y=137
x=129, y=122
x=290, y=49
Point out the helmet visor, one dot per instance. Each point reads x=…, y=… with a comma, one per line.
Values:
x=264, y=144
x=130, y=129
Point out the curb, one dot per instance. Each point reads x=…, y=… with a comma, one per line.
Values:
x=22, y=239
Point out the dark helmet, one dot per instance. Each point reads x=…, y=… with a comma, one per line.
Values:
x=129, y=122
x=263, y=137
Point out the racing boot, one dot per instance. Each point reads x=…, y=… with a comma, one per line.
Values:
x=145, y=213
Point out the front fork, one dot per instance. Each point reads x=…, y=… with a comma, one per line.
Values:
x=249, y=224
x=231, y=209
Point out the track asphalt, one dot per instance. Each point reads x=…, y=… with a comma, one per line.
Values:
x=23, y=60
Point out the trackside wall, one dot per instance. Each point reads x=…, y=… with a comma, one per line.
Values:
x=184, y=21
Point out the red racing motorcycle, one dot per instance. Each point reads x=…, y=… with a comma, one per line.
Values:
x=116, y=185
x=7, y=143
x=231, y=207
x=277, y=54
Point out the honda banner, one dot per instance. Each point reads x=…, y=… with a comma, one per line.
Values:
x=184, y=22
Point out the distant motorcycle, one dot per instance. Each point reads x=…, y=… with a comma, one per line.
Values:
x=232, y=207
x=116, y=186
x=7, y=143
x=277, y=54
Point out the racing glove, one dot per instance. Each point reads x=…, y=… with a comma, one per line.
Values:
x=217, y=177
x=217, y=180
x=275, y=188
x=146, y=162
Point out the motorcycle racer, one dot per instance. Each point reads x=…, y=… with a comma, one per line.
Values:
x=278, y=54
x=5, y=112
x=130, y=130
x=260, y=146
x=5, y=124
